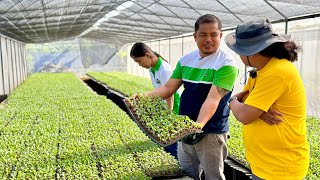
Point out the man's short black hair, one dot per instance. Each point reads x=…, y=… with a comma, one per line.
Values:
x=207, y=18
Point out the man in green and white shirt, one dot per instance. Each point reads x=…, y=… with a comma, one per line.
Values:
x=208, y=75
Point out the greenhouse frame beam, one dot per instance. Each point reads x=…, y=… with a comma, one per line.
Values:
x=231, y=12
x=112, y=39
x=5, y=32
x=24, y=19
x=146, y=34
x=130, y=29
x=146, y=20
x=16, y=20
x=105, y=6
x=8, y=32
x=57, y=8
x=153, y=14
x=50, y=25
x=278, y=11
x=118, y=38
x=155, y=27
x=45, y=20
x=175, y=15
x=127, y=17
x=122, y=35
x=163, y=15
x=87, y=1
x=308, y=16
x=191, y=7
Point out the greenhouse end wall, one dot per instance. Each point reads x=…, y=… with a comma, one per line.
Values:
x=13, y=64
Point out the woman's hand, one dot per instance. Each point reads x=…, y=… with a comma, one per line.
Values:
x=241, y=95
x=271, y=117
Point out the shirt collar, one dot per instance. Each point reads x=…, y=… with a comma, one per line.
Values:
x=211, y=55
x=157, y=66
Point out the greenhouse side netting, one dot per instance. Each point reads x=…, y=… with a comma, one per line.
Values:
x=78, y=56
x=13, y=65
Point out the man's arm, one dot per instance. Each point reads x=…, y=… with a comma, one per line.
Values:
x=210, y=105
x=166, y=90
x=169, y=101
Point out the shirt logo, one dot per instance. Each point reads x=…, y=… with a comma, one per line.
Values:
x=157, y=81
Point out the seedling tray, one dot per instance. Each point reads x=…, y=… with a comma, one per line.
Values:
x=177, y=136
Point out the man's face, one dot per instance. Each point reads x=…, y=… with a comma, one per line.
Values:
x=208, y=38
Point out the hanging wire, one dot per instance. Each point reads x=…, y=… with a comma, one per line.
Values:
x=252, y=74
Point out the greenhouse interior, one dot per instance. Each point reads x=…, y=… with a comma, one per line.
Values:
x=66, y=72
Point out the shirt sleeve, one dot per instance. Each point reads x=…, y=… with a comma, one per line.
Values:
x=152, y=79
x=246, y=87
x=249, y=83
x=266, y=91
x=177, y=73
x=225, y=77
x=165, y=76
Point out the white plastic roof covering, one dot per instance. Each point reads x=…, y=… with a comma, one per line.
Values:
x=40, y=21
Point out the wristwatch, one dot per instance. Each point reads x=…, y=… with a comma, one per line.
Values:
x=232, y=98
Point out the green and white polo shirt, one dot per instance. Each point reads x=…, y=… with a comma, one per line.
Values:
x=198, y=75
x=160, y=75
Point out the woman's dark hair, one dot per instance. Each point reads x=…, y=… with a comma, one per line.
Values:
x=207, y=18
x=282, y=50
x=140, y=49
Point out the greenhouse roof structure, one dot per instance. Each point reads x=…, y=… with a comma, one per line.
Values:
x=122, y=21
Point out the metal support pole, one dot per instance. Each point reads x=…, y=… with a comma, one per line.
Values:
x=159, y=46
x=169, y=50
x=286, y=28
x=2, y=68
x=182, y=45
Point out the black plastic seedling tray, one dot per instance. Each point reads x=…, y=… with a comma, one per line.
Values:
x=153, y=136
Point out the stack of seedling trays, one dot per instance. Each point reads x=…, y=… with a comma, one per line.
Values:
x=157, y=121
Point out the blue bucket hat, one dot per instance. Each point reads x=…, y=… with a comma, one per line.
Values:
x=253, y=37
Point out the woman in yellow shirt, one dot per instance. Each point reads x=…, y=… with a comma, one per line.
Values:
x=273, y=150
